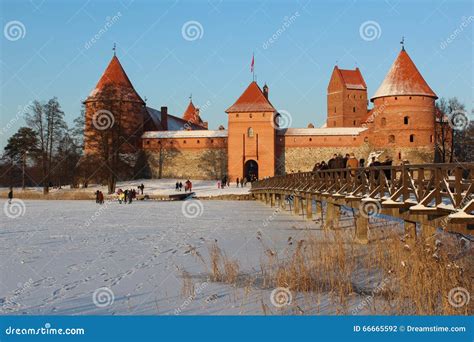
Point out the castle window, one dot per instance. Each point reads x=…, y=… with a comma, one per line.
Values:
x=310, y=139
x=334, y=123
x=250, y=115
x=147, y=142
x=212, y=140
x=159, y=142
x=396, y=98
x=353, y=109
x=405, y=120
x=412, y=137
x=263, y=115
x=431, y=138
x=409, y=98
x=335, y=110
x=236, y=115
x=197, y=141
x=383, y=122
x=366, y=139
x=399, y=155
x=250, y=132
x=184, y=141
x=391, y=138
x=354, y=122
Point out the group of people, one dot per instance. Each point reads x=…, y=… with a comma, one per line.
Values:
x=223, y=183
x=349, y=161
x=241, y=181
x=99, y=197
x=127, y=196
x=188, y=186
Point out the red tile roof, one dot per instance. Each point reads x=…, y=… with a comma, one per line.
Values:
x=403, y=78
x=115, y=77
x=191, y=114
x=251, y=100
x=352, y=78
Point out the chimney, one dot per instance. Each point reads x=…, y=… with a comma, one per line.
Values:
x=265, y=91
x=164, y=118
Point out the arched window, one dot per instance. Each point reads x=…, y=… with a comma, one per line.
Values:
x=250, y=132
x=391, y=138
x=412, y=137
x=383, y=122
x=353, y=109
x=405, y=120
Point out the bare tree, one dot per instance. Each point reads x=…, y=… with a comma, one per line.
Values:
x=47, y=120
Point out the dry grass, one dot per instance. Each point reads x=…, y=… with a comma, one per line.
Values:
x=389, y=275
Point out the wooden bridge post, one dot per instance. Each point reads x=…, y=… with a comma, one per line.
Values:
x=272, y=199
x=361, y=228
x=296, y=204
x=309, y=207
x=267, y=198
x=282, y=201
x=332, y=216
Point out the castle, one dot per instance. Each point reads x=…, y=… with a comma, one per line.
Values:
x=257, y=142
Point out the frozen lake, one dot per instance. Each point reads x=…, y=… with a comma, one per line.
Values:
x=77, y=257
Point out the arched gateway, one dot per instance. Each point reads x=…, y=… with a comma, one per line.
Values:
x=251, y=170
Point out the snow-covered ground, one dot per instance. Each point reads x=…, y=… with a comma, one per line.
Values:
x=202, y=188
x=77, y=257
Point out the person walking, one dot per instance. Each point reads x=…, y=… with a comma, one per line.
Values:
x=237, y=181
x=352, y=163
x=101, y=197
x=142, y=187
x=180, y=186
x=177, y=186
x=130, y=197
x=10, y=195
x=242, y=182
x=97, y=196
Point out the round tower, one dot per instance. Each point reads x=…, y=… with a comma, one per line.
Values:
x=403, y=113
x=114, y=106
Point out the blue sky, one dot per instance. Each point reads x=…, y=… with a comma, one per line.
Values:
x=52, y=57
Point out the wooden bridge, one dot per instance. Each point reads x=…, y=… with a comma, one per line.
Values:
x=432, y=195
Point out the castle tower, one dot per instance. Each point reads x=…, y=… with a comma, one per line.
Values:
x=191, y=115
x=252, y=132
x=346, y=98
x=114, y=103
x=403, y=114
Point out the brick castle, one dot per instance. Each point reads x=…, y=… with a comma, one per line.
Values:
x=257, y=141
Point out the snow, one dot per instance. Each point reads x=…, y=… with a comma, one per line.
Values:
x=186, y=134
x=323, y=131
x=57, y=255
x=202, y=188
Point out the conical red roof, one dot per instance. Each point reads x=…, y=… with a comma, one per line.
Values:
x=403, y=78
x=251, y=100
x=115, y=78
x=191, y=114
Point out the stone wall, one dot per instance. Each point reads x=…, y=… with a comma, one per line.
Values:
x=206, y=163
x=297, y=159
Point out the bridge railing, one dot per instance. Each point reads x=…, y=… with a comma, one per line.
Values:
x=425, y=189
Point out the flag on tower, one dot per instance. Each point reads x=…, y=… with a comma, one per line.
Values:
x=252, y=64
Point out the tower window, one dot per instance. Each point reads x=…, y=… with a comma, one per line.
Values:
x=250, y=115
x=212, y=141
x=396, y=98
x=310, y=139
x=250, y=132
x=148, y=142
x=184, y=141
x=353, y=109
x=366, y=139
x=198, y=141
x=236, y=115
x=412, y=137
x=391, y=138
x=431, y=138
x=354, y=122
x=405, y=120
x=335, y=111
x=383, y=122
